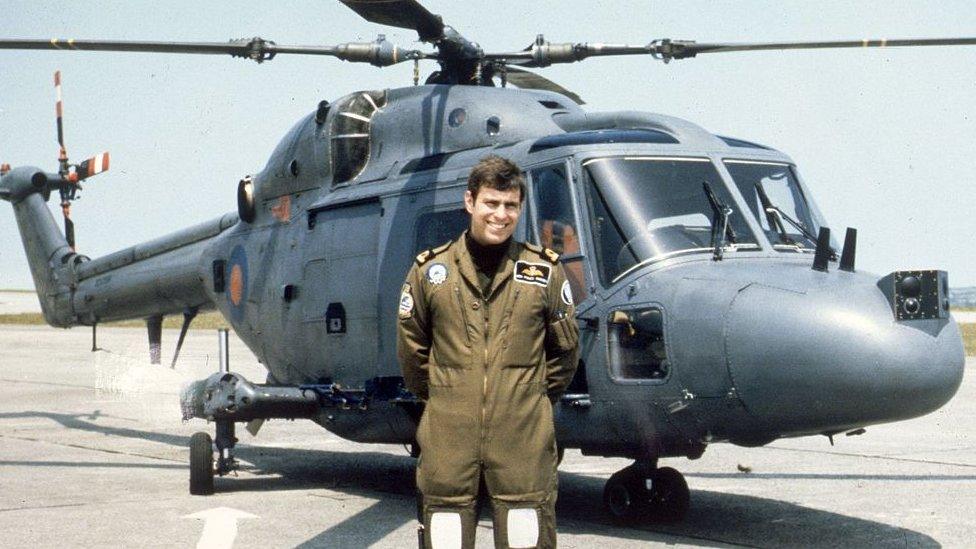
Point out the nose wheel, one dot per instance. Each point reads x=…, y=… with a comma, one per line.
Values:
x=202, y=462
x=201, y=465
x=642, y=492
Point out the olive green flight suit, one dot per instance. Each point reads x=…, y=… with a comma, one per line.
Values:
x=489, y=366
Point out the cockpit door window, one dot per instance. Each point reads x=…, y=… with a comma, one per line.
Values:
x=554, y=222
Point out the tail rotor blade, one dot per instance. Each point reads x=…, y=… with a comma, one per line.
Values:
x=93, y=166
x=59, y=111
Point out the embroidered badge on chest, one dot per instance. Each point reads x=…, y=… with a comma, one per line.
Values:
x=532, y=273
x=406, y=302
x=437, y=273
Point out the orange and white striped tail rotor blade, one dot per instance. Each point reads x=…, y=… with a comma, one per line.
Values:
x=93, y=166
x=59, y=108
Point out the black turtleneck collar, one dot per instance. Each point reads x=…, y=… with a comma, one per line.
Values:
x=486, y=258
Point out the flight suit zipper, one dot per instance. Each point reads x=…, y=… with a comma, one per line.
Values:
x=484, y=382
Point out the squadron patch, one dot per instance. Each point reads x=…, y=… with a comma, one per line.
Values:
x=566, y=293
x=406, y=302
x=532, y=273
x=437, y=273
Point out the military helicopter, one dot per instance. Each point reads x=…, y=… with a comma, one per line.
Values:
x=715, y=305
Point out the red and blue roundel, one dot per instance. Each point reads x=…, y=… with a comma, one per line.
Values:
x=237, y=283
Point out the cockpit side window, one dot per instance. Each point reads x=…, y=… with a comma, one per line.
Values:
x=555, y=226
x=350, y=133
x=635, y=344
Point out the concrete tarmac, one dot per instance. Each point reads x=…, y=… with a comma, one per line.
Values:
x=93, y=453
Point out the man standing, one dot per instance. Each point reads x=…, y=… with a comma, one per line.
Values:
x=488, y=339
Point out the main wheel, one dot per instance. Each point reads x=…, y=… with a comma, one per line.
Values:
x=669, y=496
x=201, y=465
x=625, y=496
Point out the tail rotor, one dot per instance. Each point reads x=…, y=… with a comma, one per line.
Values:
x=72, y=174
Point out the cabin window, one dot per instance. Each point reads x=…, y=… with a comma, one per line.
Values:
x=350, y=133
x=635, y=344
x=555, y=222
x=436, y=228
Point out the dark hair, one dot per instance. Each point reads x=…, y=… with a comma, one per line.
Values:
x=497, y=173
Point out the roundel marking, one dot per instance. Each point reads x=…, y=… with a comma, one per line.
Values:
x=237, y=283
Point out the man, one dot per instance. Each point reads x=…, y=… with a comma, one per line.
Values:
x=487, y=338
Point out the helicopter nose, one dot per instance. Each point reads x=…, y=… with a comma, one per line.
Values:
x=835, y=358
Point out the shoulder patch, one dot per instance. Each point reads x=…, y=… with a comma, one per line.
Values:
x=406, y=302
x=427, y=255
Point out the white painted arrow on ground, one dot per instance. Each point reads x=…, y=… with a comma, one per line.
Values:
x=220, y=527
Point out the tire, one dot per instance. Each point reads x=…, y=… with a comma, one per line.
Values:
x=669, y=497
x=201, y=465
x=625, y=497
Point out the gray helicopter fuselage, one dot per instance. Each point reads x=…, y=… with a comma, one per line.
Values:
x=746, y=348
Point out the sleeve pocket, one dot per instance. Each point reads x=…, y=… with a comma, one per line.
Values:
x=565, y=337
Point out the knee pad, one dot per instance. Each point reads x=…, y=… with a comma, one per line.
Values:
x=449, y=527
x=524, y=525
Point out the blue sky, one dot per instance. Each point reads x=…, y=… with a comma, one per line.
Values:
x=886, y=139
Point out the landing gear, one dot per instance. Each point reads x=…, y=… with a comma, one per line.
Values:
x=202, y=447
x=642, y=491
x=201, y=465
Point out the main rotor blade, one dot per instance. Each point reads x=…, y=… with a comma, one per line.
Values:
x=543, y=54
x=682, y=49
x=406, y=14
x=532, y=81
x=379, y=53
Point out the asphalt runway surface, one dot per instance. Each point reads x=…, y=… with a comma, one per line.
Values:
x=93, y=453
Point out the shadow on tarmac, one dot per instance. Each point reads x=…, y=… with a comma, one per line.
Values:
x=714, y=516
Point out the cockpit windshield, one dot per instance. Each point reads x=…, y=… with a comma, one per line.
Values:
x=775, y=198
x=649, y=208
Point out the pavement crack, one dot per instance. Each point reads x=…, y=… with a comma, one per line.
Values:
x=36, y=507
x=94, y=449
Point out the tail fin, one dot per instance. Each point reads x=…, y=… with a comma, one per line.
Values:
x=48, y=252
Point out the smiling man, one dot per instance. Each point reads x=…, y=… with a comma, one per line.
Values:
x=487, y=338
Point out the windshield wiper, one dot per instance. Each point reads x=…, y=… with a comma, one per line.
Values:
x=720, y=223
x=799, y=226
x=774, y=220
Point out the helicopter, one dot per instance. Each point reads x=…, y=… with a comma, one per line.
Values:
x=715, y=306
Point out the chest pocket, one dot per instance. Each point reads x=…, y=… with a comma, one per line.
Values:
x=524, y=331
x=451, y=345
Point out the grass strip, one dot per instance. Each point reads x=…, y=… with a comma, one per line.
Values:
x=204, y=321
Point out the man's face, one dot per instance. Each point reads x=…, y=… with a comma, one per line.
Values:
x=494, y=214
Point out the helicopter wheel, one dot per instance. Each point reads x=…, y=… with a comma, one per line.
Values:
x=201, y=465
x=625, y=496
x=669, y=497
